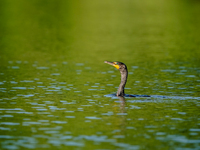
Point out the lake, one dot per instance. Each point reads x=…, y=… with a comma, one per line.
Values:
x=53, y=79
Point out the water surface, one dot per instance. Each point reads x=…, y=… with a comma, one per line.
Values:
x=53, y=78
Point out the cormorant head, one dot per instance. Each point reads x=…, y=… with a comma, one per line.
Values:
x=119, y=65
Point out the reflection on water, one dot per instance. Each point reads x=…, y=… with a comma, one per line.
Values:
x=53, y=79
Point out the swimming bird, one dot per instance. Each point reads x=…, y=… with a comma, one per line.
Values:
x=124, y=75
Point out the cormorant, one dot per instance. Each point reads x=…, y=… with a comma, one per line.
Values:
x=124, y=75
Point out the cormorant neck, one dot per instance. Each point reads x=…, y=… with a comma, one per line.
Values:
x=124, y=75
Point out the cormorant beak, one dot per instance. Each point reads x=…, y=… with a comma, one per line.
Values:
x=112, y=63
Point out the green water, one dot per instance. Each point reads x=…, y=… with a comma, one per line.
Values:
x=53, y=78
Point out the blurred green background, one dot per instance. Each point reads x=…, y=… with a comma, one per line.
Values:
x=130, y=31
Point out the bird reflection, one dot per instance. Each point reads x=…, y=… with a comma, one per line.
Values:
x=122, y=104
